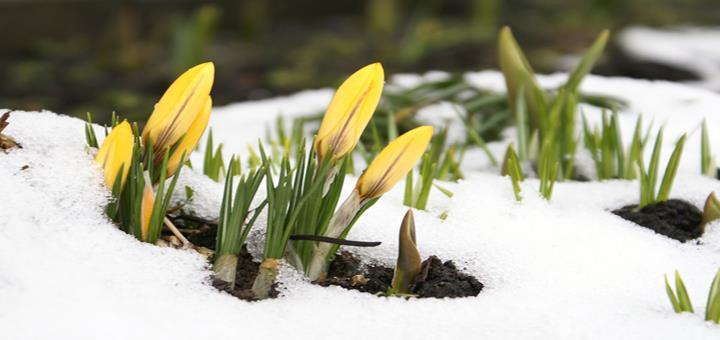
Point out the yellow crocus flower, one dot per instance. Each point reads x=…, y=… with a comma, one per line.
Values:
x=393, y=162
x=187, y=145
x=116, y=152
x=349, y=112
x=180, y=110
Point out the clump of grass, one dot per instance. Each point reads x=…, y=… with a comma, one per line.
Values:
x=236, y=221
x=285, y=200
x=549, y=116
x=547, y=170
x=438, y=162
x=605, y=144
x=681, y=303
x=649, y=174
x=213, y=162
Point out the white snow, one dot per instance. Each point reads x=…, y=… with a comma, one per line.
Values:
x=695, y=49
x=564, y=269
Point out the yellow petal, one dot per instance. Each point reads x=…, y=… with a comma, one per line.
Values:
x=191, y=138
x=350, y=111
x=115, y=152
x=146, y=209
x=179, y=107
x=394, y=162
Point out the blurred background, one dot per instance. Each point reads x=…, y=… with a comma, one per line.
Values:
x=74, y=56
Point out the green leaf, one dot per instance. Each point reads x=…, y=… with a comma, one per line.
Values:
x=682, y=294
x=712, y=309
x=587, y=62
x=672, y=297
x=671, y=171
x=707, y=165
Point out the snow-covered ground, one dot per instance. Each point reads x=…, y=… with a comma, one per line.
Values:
x=694, y=49
x=565, y=269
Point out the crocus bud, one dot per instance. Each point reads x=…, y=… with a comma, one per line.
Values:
x=180, y=111
x=393, y=162
x=116, y=153
x=408, y=261
x=146, y=207
x=349, y=112
x=187, y=145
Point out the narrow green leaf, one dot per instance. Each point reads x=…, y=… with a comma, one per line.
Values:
x=682, y=294
x=671, y=171
x=672, y=297
x=712, y=309
x=587, y=62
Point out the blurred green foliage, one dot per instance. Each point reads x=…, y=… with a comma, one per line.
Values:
x=81, y=55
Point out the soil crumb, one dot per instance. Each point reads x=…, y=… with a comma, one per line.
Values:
x=436, y=279
x=673, y=218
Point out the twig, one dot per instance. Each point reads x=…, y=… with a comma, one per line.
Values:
x=197, y=219
x=334, y=240
x=177, y=233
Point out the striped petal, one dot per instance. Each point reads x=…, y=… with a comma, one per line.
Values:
x=349, y=112
x=394, y=162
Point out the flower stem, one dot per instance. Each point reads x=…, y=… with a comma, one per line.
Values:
x=266, y=276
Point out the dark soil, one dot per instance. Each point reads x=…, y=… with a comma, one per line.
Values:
x=673, y=218
x=199, y=232
x=436, y=280
x=247, y=269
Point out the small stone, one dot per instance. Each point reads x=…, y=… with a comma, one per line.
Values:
x=359, y=280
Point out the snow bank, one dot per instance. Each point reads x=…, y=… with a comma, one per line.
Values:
x=691, y=48
x=564, y=269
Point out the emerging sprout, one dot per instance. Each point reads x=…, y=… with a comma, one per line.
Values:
x=711, y=210
x=115, y=155
x=606, y=147
x=408, y=261
x=707, y=163
x=519, y=76
x=183, y=111
x=681, y=301
x=349, y=112
x=213, y=162
x=511, y=167
x=648, y=177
